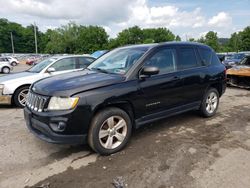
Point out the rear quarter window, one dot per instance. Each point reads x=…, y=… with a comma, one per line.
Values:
x=206, y=55
x=215, y=60
x=187, y=58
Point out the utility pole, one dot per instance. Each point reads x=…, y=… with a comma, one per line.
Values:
x=35, y=36
x=12, y=43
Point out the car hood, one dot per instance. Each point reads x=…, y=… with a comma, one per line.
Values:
x=16, y=77
x=241, y=70
x=75, y=82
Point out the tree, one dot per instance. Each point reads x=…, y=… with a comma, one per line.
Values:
x=201, y=40
x=132, y=35
x=234, y=43
x=91, y=38
x=191, y=40
x=244, y=38
x=211, y=40
x=158, y=35
x=72, y=38
x=178, y=38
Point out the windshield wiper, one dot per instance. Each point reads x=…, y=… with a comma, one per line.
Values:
x=100, y=70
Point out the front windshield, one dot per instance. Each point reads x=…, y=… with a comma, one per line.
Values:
x=118, y=61
x=40, y=66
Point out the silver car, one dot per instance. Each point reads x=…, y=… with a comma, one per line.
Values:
x=5, y=66
x=15, y=87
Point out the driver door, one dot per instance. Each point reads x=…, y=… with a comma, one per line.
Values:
x=162, y=91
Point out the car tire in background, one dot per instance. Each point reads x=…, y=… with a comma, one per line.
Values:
x=109, y=131
x=210, y=103
x=14, y=63
x=20, y=95
x=6, y=70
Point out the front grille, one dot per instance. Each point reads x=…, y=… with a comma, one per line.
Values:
x=36, y=102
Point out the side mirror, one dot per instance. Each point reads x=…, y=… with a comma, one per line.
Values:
x=51, y=69
x=149, y=71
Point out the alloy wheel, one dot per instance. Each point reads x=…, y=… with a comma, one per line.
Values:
x=23, y=96
x=113, y=132
x=211, y=102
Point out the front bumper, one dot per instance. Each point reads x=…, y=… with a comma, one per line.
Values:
x=44, y=132
x=5, y=99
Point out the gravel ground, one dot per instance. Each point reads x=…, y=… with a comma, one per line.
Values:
x=181, y=151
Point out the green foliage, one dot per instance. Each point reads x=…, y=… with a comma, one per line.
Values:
x=91, y=38
x=178, y=38
x=244, y=37
x=191, y=40
x=237, y=42
x=157, y=35
x=211, y=40
x=136, y=35
x=73, y=38
x=133, y=35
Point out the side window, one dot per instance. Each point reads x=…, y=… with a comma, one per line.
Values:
x=64, y=64
x=164, y=59
x=187, y=58
x=83, y=62
x=215, y=60
x=205, y=55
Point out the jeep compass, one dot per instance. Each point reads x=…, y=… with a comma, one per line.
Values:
x=122, y=90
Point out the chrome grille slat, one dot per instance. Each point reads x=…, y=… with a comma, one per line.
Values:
x=36, y=102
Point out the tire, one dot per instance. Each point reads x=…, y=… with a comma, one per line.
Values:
x=113, y=139
x=210, y=103
x=14, y=63
x=6, y=70
x=19, y=96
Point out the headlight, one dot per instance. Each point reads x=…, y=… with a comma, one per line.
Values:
x=62, y=103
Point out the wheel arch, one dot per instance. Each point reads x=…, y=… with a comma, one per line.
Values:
x=217, y=86
x=24, y=85
x=123, y=105
x=4, y=67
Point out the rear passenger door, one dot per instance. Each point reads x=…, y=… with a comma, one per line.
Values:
x=192, y=73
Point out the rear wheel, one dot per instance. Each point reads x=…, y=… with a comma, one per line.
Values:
x=110, y=131
x=6, y=70
x=20, y=96
x=210, y=103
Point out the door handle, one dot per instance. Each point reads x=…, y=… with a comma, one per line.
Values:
x=175, y=78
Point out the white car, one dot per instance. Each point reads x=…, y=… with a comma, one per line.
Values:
x=15, y=87
x=5, y=66
x=13, y=61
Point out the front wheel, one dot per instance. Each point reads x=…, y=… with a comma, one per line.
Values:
x=110, y=131
x=20, y=96
x=210, y=103
x=6, y=70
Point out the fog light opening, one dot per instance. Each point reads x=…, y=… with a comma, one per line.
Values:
x=58, y=127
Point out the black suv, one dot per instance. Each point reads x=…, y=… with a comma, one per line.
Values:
x=124, y=89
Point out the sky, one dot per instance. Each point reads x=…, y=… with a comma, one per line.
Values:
x=186, y=18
